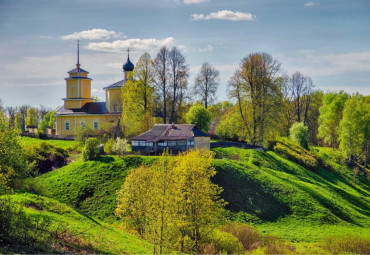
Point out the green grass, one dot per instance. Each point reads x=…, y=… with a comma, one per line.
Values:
x=91, y=235
x=67, y=145
x=276, y=195
x=89, y=186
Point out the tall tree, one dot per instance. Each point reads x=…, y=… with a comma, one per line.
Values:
x=330, y=116
x=300, y=88
x=32, y=118
x=199, y=116
x=11, y=114
x=206, y=83
x=161, y=70
x=178, y=75
x=257, y=88
x=137, y=95
x=23, y=114
x=355, y=128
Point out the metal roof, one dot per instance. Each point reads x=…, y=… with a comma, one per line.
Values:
x=163, y=132
x=88, y=108
x=78, y=70
x=118, y=84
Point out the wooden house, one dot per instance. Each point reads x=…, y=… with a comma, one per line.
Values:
x=175, y=137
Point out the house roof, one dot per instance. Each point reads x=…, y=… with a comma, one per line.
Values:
x=78, y=70
x=162, y=132
x=88, y=108
x=118, y=84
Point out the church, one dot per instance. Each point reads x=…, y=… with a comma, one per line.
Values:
x=80, y=109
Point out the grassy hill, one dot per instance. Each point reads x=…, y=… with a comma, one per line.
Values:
x=302, y=202
x=71, y=231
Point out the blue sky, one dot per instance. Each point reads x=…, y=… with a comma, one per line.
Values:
x=327, y=40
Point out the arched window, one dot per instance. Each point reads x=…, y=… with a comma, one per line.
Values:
x=66, y=125
x=96, y=124
x=83, y=123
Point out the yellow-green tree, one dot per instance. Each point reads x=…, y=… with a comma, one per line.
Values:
x=173, y=202
x=32, y=118
x=137, y=98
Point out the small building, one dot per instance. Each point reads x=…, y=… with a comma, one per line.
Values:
x=31, y=129
x=175, y=137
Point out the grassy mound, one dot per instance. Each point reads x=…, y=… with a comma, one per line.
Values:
x=88, y=186
x=67, y=145
x=70, y=231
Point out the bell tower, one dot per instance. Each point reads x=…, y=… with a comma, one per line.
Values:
x=78, y=86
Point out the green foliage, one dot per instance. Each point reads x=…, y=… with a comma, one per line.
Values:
x=231, y=126
x=120, y=147
x=68, y=231
x=330, y=116
x=91, y=150
x=18, y=122
x=63, y=144
x=88, y=186
x=273, y=245
x=299, y=134
x=48, y=121
x=32, y=118
x=83, y=134
x=220, y=242
x=109, y=146
x=347, y=244
x=354, y=134
x=247, y=235
x=199, y=116
x=45, y=157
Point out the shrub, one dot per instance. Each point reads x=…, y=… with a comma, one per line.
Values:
x=109, y=146
x=347, y=244
x=247, y=235
x=83, y=134
x=120, y=147
x=199, y=116
x=91, y=150
x=274, y=245
x=299, y=134
x=220, y=242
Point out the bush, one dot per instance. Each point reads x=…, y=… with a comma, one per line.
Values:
x=83, y=134
x=91, y=150
x=274, y=245
x=109, y=146
x=120, y=147
x=199, y=116
x=247, y=235
x=299, y=134
x=220, y=242
x=347, y=244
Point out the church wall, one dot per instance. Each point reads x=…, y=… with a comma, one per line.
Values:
x=114, y=100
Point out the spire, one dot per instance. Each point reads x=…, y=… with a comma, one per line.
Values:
x=78, y=54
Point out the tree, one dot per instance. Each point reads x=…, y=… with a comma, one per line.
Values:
x=257, y=89
x=137, y=94
x=206, y=83
x=161, y=70
x=47, y=121
x=330, y=116
x=23, y=114
x=355, y=127
x=32, y=118
x=178, y=75
x=172, y=202
x=199, y=116
x=91, y=150
x=299, y=134
x=120, y=147
x=11, y=114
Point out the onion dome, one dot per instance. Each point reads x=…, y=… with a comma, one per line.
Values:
x=129, y=66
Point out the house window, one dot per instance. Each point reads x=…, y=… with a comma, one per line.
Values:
x=96, y=124
x=171, y=143
x=162, y=143
x=149, y=144
x=142, y=143
x=83, y=123
x=135, y=143
x=181, y=143
x=66, y=125
x=190, y=142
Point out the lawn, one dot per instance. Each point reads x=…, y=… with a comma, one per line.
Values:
x=67, y=145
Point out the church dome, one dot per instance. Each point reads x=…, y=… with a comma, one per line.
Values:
x=129, y=66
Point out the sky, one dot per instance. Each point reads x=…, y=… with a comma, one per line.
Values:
x=328, y=40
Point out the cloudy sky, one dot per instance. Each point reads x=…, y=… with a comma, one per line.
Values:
x=328, y=40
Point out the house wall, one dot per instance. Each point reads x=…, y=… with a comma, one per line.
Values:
x=202, y=142
x=75, y=122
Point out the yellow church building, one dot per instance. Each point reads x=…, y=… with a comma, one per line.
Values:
x=79, y=108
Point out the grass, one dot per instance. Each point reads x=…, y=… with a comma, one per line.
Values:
x=274, y=194
x=89, y=186
x=73, y=229
x=67, y=145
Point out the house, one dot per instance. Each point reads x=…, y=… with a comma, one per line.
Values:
x=80, y=109
x=175, y=137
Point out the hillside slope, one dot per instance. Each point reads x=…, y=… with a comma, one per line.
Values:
x=72, y=231
x=275, y=194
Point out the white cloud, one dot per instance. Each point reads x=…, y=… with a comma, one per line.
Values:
x=134, y=45
x=93, y=34
x=195, y=1
x=224, y=15
x=310, y=4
